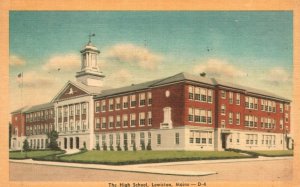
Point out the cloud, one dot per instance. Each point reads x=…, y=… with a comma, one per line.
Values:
x=33, y=79
x=135, y=55
x=66, y=62
x=16, y=61
x=276, y=76
x=118, y=78
x=219, y=68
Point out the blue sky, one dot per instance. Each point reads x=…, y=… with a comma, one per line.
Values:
x=249, y=48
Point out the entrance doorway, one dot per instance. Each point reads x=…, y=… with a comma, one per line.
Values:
x=224, y=137
x=71, y=143
x=77, y=142
x=65, y=143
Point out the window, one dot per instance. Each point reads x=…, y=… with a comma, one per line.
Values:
x=274, y=106
x=203, y=94
x=223, y=124
x=246, y=121
x=223, y=108
x=142, y=138
x=125, y=120
x=132, y=120
x=111, y=104
x=142, y=118
x=209, y=117
x=111, y=122
x=83, y=105
x=286, y=117
x=97, y=123
x=209, y=95
x=281, y=108
x=158, y=139
x=177, y=138
x=103, y=126
x=104, y=139
x=230, y=118
x=238, y=98
x=71, y=107
x=125, y=102
x=262, y=104
x=255, y=103
x=247, y=102
x=149, y=118
x=132, y=138
x=142, y=101
x=238, y=118
x=118, y=122
x=111, y=139
x=125, y=141
x=77, y=109
x=118, y=139
x=286, y=106
x=149, y=98
x=132, y=101
x=197, y=93
x=262, y=122
x=230, y=97
x=197, y=115
x=118, y=104
x=238, y=138
x=223, y=94
x=65, y=111
x=191, y=92
x=103, y=105
x=202, y=116
x=97, y=107
x=191, y=115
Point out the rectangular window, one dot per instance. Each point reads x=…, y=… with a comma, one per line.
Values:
x=83, y=105
x=125, y=102
x=97, y=123
x=177, y=138
x=281, y=108
x=203, y=94
x=132, y=101
x=209, y=117
x=118, y=103
x=223, y=124
x=230, y=97
x=246, y=121
x=103, y=139
x=202, y=116
x=111, y=139
x=118, y=121
x=118, y=139
x=111, y=122
x=223, y=110
x=197, y=94
x=132, y=120
x=125, y=120
x=197, y=115
x=238, y=98
x=103, y=105
x=238, y=118
x=191, y=92
x=223, y=94
x=191, y=115
x=209, y=96
x=97, y=107
x=142, y=138
x=255, y=103
x=111, y=104
x=230, y=118
x=247, y=102
x=286, y=117
x=103, y=126
x=77, y=108
x=262, y=104
x=286, y=106
x=149, y=98
x=142, y=99
x=142, y=118
x=149, y=118
x=273, y=106
x=251, y=102
x=132, y=138
x=158, y=139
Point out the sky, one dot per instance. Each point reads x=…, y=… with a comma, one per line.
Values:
x=248, y=48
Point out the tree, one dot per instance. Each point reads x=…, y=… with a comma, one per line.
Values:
x=84, y=145
x=26, y=147
x=10, y=132
x=53, y=136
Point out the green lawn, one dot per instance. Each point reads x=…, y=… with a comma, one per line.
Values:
x=32, y=154
x=275, y=153
x=131, y=157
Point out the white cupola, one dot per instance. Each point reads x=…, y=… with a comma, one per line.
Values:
x=90, y=74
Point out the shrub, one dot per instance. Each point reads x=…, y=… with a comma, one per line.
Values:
x=149, y=146
x=98, y=147
x=111, y=147
x=143, y=146
x=125, y=147
x=119, y=147
x=134, y=147
x=104, y=147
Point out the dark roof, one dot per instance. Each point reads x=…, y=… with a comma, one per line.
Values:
x=183, y=77
x=39, y=107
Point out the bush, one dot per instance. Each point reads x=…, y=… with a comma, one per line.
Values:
x=104, y=147
x=149, y=146
x=119, y=147
x=134, y=147
x=143, y=146
x=98, y=147
x=111, y=147
x=125, y=147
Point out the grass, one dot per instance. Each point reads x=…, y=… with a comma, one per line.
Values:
x=32, y=154
x=275, y=153
x=131, y=157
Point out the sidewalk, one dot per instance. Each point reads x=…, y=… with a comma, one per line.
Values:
x=145, y=168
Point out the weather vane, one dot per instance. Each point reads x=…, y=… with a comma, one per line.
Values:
x=90, y=36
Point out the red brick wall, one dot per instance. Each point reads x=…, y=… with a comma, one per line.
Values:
x=18, y=121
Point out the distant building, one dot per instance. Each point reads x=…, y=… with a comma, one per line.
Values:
x=181, y=112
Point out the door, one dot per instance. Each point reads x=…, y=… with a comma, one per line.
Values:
x=65, y=143
x=71, y=143
x=77, y=142
x=224, y=141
